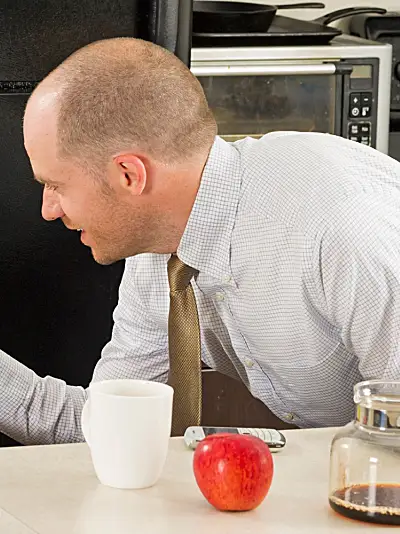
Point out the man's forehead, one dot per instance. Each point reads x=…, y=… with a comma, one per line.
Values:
x=41, y=146
x=40, y=115
x=44, y=100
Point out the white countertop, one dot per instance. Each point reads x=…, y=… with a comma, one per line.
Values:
x=53, y=490
x=10, y=525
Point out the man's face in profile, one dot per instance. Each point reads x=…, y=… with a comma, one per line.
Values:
x=110, y=224
x=83, y=205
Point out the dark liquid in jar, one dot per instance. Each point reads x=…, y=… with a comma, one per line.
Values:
x=378, y=503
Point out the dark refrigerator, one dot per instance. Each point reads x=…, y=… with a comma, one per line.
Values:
x=56, y=303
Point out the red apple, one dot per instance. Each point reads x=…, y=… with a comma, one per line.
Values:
x=234, y=472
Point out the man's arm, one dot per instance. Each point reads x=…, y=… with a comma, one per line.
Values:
x=38, y=410
x=358, y=271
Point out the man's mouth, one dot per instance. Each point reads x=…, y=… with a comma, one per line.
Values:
x=74, y=229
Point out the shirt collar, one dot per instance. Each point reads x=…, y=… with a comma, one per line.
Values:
x=206, y=241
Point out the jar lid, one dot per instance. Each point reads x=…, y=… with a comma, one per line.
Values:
x=378, y=404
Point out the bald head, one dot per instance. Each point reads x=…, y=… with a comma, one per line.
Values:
x=121, y=95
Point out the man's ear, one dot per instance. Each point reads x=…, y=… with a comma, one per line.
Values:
x=131, y=173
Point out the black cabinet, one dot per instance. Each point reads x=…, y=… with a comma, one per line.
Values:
x=56, y=303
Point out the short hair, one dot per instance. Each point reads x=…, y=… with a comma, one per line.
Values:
x=125, y=93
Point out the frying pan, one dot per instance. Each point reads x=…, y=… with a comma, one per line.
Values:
x=242, y=18
x=236, y=17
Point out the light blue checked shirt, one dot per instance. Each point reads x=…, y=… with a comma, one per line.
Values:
x=296, y=238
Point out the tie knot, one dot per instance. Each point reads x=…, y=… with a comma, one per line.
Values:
x=179, y=274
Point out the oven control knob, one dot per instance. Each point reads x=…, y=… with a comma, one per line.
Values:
x=397, y=70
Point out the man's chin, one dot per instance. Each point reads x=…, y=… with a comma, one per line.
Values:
x=103, y=259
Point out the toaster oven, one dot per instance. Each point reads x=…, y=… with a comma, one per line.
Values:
x=342, y=88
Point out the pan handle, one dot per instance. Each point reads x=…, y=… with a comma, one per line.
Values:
x=302, y=5
x=348, y=12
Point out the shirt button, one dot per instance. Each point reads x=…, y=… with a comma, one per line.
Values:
x=227, y=279
x=248, y=362
x=219, y=296
x=289, y=417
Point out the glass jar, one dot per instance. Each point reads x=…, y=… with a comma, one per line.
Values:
x=365, y=457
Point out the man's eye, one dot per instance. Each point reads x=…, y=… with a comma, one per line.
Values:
x=50, y=187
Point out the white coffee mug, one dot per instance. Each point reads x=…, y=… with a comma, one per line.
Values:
x=127, y=425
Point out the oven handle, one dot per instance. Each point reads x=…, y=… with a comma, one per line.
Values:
x=270, y=70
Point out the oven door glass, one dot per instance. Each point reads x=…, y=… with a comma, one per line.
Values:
x=253, y=105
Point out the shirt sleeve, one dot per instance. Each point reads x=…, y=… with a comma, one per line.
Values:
x=37, y=410
x=357, y=266
x=139, y=344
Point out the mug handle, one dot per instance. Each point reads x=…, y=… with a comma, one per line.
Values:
x=85, y=421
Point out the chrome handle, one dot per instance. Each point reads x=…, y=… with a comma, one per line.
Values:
x=263, y=70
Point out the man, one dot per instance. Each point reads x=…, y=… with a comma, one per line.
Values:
x=294, y=241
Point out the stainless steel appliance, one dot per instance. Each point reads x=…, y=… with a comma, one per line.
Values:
x=385, y=29
x=341, y=87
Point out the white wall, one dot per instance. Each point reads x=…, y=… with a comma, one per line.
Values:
x=331, y=5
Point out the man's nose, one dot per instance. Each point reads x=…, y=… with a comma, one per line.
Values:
x=51, y=208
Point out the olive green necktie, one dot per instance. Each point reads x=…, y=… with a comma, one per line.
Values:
x=184, y=347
